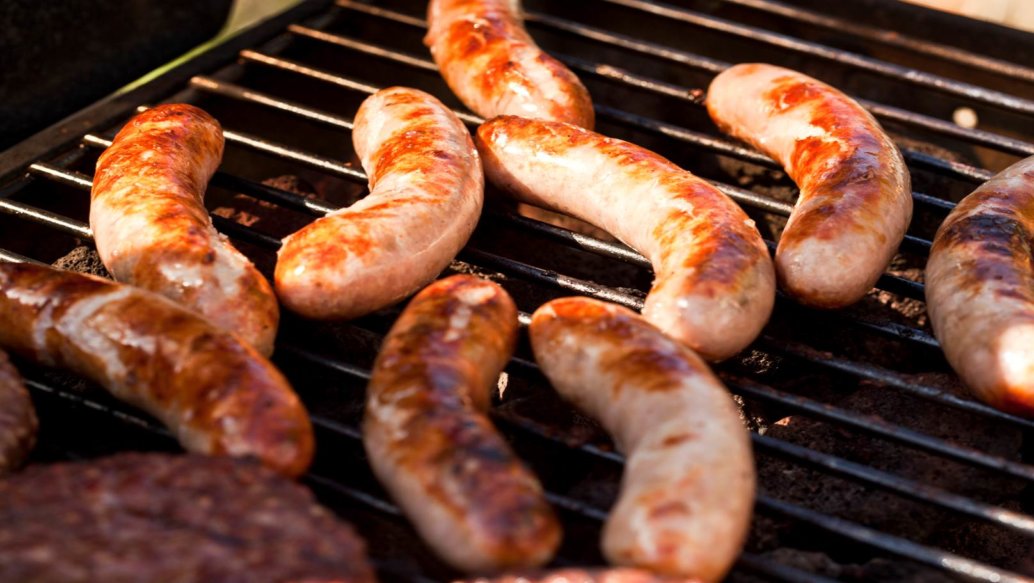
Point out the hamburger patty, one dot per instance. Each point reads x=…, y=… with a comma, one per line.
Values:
x=171, y=518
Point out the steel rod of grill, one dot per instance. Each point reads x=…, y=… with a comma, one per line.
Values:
x=914, y=77
x=721, y=145
x=598, y=291
x=891, y=38
x=714, y=66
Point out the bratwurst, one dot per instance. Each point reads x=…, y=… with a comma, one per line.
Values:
x=980, y=289
x=856, y=195
x=18, y=422
x=151, y=228
x=217, y=394
x=714, y=286
x=430, y=442
x=688, y=489
x=492, y=64
x=426, y=194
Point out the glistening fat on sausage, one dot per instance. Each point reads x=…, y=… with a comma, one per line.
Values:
x=432, y=445
x=217, y=394
x=426, y=193
x=495, y=68
x=980, y=289
x=151, y=228
x=856, y=199
x=714, y=286
x=688, y=489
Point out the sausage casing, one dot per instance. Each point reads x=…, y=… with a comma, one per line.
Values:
x=152, y=230
x=980, y=289
x=688, y=489
x=492, y=64
x=426, y=194
x=218, y=395
x=430, y=442
x=714, y=286
x=575, y=575
x=18, y=422
x=856, y=199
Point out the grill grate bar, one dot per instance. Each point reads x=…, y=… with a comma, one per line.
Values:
x=892, y=38
x=12, y=257
x=713, y=66
x=885, y=69
x=892, y=544
x=829, y=463
x=244, y=94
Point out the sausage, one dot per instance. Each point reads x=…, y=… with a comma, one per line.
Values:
x=714, y=286
x=688, y=490
x=856, y=194
x=575, y=575
x=430, y=442
x=980, y=289
x=216, y=394
x=492, y=64
x=151, y=228
x=426, y=194
x=18, y=422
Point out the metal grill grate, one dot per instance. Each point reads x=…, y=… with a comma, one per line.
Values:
x=295, y=78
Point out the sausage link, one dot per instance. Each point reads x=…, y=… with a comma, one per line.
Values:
x=688, y=490
x=574, y=575
x=426, y=193
x=980, y=289
x=18, y=422
x=430, y=442
x=218, y=395
x=492, y=64
x=152, y=230
x=856, y=195
x=714, y=286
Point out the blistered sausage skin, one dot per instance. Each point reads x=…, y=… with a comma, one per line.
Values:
x=217, y=394
x=714, y=286
x=688, y=489
x=492, y=64
x=574, y=575
x=430, y=442
x=856, y=196
x=980, y=289
x=151, y=228
x=426, y=194
x=17, y=418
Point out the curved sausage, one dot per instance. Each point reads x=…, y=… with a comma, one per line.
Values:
x=430, y=442
x=688, y=489
x=18, y=422
x=492, y=64
x=714, y=285
x=218, y=395
x=856, y=195
x=426, y=194
x=574, y=575
x=980, y=289
x=152, y=230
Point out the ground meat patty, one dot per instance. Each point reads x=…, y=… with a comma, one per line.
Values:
x=157, y=517
x=17, y=418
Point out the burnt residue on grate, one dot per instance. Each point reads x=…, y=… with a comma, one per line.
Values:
x=873, y=461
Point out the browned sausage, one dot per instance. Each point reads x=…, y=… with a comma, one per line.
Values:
x=17, y=418
x=430, y=442
x=980, y=289
x=574, y=575
x=715, y=285
x=152, y=230
x=688, y=490
x=426, y=193
x=218, y=395
x=495, y=68
x=856, y=198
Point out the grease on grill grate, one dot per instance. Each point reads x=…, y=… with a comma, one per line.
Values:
x=873, y=463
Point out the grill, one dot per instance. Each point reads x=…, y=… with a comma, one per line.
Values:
x=872, y=462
